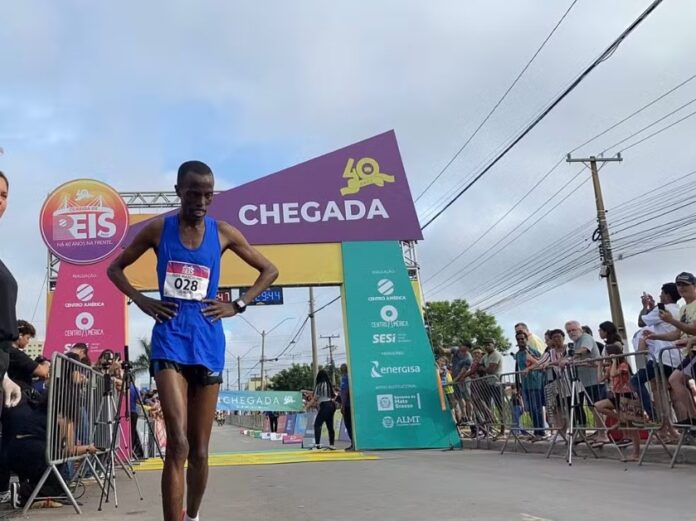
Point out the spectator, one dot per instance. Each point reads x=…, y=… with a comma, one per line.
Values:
x=600, y=345
x=135, y=437
x=493, y=366
x=39, y=384
x=587, y=370
x=650, y=322
x=614, y=406
x=533, y=341
x=447, y=386
x=461, y=364
x=346, y=409
x=79, y=353
x=25, y=427
x=685, y=327
x=324, y=401
x=531, y=383
x=26, y=333
x=272, y=420
x=556, y=390
x=22, y=368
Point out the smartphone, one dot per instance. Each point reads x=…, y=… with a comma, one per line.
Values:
x=661, y=306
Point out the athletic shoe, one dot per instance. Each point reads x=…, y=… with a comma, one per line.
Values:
x=331, y=447
x=316, y=447
x=5, y=497
x=350, y=449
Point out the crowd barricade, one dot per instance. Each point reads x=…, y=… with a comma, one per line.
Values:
x=551, y=404
x=635, y=412
x=81, y=411
x=70, y=402
x=489, y=409
x=252, y=422
x=679, y=392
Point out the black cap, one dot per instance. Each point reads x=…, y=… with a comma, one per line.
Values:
x=685, y=278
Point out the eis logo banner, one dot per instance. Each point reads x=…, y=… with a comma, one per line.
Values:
x=84, y=221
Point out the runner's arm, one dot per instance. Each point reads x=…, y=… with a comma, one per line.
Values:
x=146, y=239
x=235, y=241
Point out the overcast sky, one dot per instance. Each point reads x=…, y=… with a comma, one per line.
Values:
x=124, y=92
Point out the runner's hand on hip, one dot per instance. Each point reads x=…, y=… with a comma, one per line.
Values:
x=157, y=309
x=216, y=310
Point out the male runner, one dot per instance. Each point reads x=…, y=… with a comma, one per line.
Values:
x=188, y=343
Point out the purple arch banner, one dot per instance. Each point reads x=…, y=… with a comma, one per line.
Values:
x=356, y=193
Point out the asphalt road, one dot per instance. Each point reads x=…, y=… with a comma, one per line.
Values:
x=418, y=485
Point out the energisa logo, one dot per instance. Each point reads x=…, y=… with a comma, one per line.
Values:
x=379, y=372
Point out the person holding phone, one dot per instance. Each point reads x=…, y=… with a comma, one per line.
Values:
x=652, y=324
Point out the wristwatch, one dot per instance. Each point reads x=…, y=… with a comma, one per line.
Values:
x=239, y=305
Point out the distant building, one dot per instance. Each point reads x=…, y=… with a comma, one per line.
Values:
x=35, y=348
x=254, y=384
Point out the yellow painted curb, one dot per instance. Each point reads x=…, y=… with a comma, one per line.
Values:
x=268, y=458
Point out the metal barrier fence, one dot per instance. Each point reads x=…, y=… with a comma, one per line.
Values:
x=597, y=402
x=247, y=421
x=80, y=426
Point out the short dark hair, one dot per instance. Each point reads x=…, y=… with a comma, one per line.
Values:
x=521, y=324
x=80, y=345
x=195, y=167
x=587, y=330
x=25, y=328
x=557, y=332
x=465, y=343
x=3, y=176
x=670, y=288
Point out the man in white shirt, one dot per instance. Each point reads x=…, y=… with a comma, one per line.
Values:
x=651, y=322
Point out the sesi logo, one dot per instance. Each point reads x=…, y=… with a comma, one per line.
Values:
x=384, y=338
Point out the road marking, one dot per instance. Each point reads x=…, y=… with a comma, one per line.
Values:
x=529, y=517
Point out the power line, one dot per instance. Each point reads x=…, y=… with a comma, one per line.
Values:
x=499, y=102
x=604, y=56
x=440, y=271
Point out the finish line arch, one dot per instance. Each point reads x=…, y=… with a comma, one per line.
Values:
x=344, y=219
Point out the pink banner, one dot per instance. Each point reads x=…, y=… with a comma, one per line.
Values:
x=87, y=308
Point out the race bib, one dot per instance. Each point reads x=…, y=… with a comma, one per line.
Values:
x=186, y=281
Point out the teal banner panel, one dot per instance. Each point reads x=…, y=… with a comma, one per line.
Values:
x=395, y=394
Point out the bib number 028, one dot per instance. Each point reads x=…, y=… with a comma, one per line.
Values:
x=186, y=284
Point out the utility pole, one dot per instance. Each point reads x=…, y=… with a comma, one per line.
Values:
x=608, y=270
x=239, y=373
x=313, y=324
x=331, y=348
x=263, y=356
x=228, y=380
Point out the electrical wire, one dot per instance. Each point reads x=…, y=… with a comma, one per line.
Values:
x=500, y=101
x=603, y=57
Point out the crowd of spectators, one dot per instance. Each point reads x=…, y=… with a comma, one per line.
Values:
x=614, y=388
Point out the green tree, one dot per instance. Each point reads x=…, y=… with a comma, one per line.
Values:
x=295, y=378
x=451, y=322
x=142, y=363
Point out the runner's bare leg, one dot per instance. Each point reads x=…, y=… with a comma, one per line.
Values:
x=202, y=403
x=173, y=390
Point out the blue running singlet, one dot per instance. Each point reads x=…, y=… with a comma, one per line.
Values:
x=186, y=277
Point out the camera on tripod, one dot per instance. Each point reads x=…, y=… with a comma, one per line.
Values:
x=571, y=350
